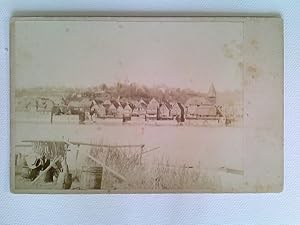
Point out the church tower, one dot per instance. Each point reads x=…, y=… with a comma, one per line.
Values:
x=212, y=95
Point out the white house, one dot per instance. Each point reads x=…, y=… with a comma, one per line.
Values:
x=152, y=107
x=120, y=111
x=112, y=110
x=177, y=109
x=164, y=111
x=127, y=110
x=140, y=110
x=100, y=110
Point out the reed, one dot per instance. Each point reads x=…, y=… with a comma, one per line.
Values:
x=155, y=174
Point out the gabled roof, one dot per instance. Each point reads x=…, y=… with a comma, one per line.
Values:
x=123, y=104
x=142, y=105
x=57, y=100
x=101, y=106
x=107, y=102
x=153, y=101
x=98, y=100
x=134, y=102
x=198, y=100
x=180, y=105
x=75, y=104
x=120, y=108
x=115, y=103
x=112, y=106
x=132, y=106
x=128, y=106
x=85, y=102
x=168, y=105
x=142, y=101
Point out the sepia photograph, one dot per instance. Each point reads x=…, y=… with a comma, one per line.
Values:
x=146, y=105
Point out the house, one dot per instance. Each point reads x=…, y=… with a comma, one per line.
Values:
x=193, y=104
x=98, y=100
x=74, y=107
x=163, y=111
x=197, y=100
x=120, y=110
x=177, y=109
x=59, y=101
x=100, y=110
x=140, y=109
x=152, y=107
x=201, y=106
x=206, y=110
x=85, y=103
x=135, y=103
x=45, y=104
x=127, y=110
x=112, y=109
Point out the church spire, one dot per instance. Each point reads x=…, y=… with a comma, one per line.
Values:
x=212, y=91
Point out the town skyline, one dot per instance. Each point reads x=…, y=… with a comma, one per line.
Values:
x=98, y=86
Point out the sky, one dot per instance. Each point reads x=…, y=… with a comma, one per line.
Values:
x=84, y=54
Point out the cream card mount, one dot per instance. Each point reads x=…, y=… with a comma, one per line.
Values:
x=146, y=104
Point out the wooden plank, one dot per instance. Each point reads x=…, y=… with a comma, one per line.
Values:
x=107, y=146
x=46, y=170
x=150, y=150
x=232, y=171
x=174, y=166
x=21, y=146
x=87, y=144
x=33, y=141
x=116, y=174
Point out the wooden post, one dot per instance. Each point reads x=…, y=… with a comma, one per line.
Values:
x=107, y=155
x=141, y=154
x=76, y=163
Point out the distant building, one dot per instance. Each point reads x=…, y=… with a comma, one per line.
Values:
x=59, y=101
x=201, y=106
x=140, y=109
x=112, y=109
x=212, y=94
x=164, y=110
x=74, y=107
x=100, y=110
x=135, y=103
x=85, y=103
x=127, y=110
x=45, y=104
x=152, y=107
x=177, y=109
x=120, y=110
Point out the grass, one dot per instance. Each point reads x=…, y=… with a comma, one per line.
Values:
x=155, y=175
